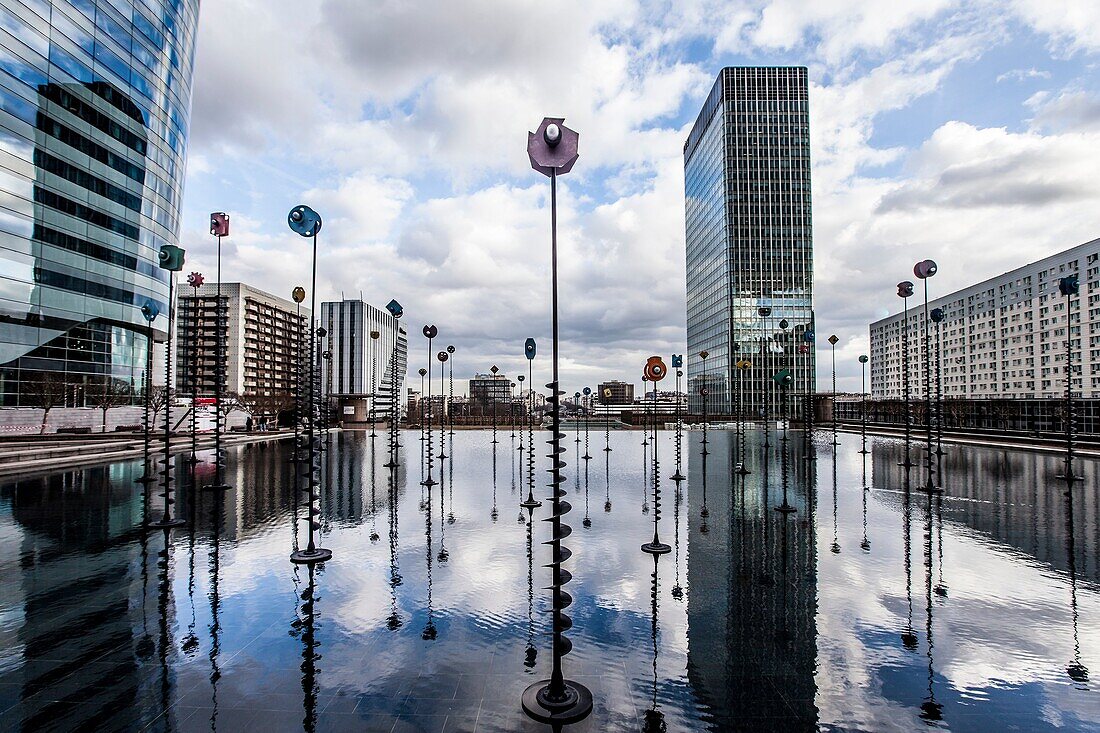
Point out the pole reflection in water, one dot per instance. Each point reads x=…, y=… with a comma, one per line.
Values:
x=607, y=481
x=430, y=632
x=1077, y=671
x=654, y=719
x=865, y=544
x=304, y=627
x=164, y=602
x=393, y=621
x=531, y=653
x=214, y=596
x=931, y=711
x=587, y=521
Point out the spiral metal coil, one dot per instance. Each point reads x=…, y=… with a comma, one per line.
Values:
x=656, y=547
x=560, y=530
x=311, y=440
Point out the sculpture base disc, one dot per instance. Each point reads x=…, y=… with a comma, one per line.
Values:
x=530, y=503
x=930, y=489
x=785, y=509
x=307, y=557
x=656, y=548
x=586, y=457
x=743, y=471
x=168, y=523
x=1069, y=478
x=146, y=480
x=864, y=451
x=907, y=464
x=607, y=450
x=429, y=482
x=677, y=477
x=216, y=487
x=576, y=706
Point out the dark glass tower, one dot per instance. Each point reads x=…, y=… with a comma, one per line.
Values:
x=95, y=102
x=749, y=238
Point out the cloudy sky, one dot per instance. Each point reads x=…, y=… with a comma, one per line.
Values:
x=967, y=131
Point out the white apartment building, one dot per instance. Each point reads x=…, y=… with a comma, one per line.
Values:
x=360, y=366
x=1004, y=337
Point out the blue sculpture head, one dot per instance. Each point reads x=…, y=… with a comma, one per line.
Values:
x=304, y=220
x=150, y=310
x=395, y=309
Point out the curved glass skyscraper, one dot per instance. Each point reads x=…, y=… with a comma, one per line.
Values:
x=95, y=100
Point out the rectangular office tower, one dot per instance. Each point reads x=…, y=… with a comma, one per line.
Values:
x=750, y=242
x=357, y=375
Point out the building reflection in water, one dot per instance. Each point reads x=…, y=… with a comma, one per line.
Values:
x=752, y=590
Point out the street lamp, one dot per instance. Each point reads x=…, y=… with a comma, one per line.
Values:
x=655, y=371
x=905, y=291
x=553, y=151
x=924, y=270
x=171, y=259
x=587, y=392
x=219, y=227
x=863, y=407
x=306, y=222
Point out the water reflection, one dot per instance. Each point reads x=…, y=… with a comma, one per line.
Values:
x=971, y=610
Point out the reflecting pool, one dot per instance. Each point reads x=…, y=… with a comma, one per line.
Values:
x=873, y=606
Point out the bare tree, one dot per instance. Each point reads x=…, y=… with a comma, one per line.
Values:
x=107, y=393
x=45, y=390
x=159, y=399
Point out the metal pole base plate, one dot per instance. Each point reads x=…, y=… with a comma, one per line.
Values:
x=586, y=457
x=677, y=477
x=608, y=450
x=146, y=480
x=656, y=548
x=216, y=487
x=168, y=523
x=785, y=509
x=576, y=706
x=309, y=557
x=1070, y=478
x=530, y=503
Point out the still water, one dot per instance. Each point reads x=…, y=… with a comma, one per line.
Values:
x=872, y=607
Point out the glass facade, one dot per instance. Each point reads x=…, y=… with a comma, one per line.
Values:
x=749, y=240
x=95, y=102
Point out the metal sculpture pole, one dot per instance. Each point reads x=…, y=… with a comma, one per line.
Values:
x=576, y=422
x=905, y=291
x=298, y=295
x=765, y=358
x=374, y=336
x=832, y=355
x=392, y=463
x=1069, y=287
x=451, y=393
x=195, y=280
x=606, y=419
x=924, y=270
x=520, y=379
x=937, y=318
x=149, y=311
x=654, y=372
x=645, y=419
x=808, y=405
x=171, y=259
x=529, y=349
x=742, y=366
x=553, y=151
x=587, y=392
x=863, y=405
x=307, y=223
x=703, y=392
x=219, y=227
x=785, y=380
x=677, y=364
x=493, y=401
x=512, y=411
x=442, y=356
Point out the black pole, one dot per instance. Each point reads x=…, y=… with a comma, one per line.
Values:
x=907, y=463
x=313, y=553
x=930, y=468
x=656, y=547
x=167, y=521
x=863, y=405
x=193, y=370
x=148, y=476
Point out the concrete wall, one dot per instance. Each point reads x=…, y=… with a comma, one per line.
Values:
x=28, y=420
